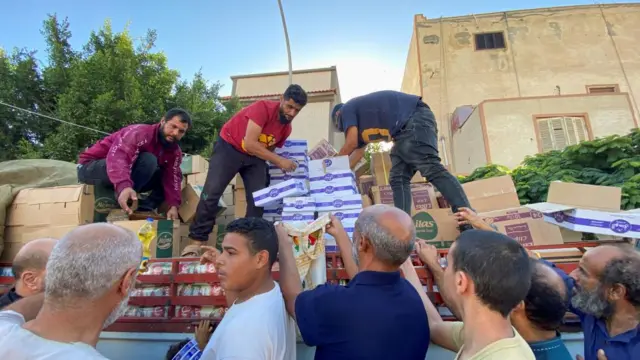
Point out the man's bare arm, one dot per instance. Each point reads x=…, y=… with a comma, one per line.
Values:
x=346, y=253
x=355, y=157
x=290, y=284
x=28, y=307
x=350, y=141
x=438, y=277
x=440, y=330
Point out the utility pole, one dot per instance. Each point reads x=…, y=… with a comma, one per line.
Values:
x=286, y=38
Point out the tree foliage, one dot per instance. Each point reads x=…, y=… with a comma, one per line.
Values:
x=108, y=84
x=609, y=161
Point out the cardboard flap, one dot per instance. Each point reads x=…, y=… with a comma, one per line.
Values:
x=583, y=196
x=52, y=195
x=547, y=208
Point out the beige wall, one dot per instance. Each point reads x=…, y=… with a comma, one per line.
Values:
x=510, y=131
x=277, y=84
x=468, y=145
x=548, y=51
x=313, y=123
x=411, y=79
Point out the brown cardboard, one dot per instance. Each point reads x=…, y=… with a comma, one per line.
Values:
x=197, y=179
x=194, y=164
x=241, y=202
x=380, y=167
x=323, y=149
x=492, y=194
x=366, y=201
x=167, y=242
x=418, y=178
x=15, y=237
x=365, y=182
x=238, y=181
x=437, y=226
x=423, y=196
x=60, y=205
x=190, y=199
x=214, y=237
x=583, y=196
x=524, y=225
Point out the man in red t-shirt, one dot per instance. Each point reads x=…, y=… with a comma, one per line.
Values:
x=246, y=143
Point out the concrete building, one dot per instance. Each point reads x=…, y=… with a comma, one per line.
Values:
x=313, y=123
x=510, y=84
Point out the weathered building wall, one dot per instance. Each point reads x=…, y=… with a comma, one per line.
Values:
x=504, y=131
x=468, y=145
x=260, y=84
x=411, y=78
x=547, y=52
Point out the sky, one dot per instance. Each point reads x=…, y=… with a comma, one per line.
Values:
x=368, y=40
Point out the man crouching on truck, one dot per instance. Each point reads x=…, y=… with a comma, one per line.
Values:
x=140, y=158
x=246, y=143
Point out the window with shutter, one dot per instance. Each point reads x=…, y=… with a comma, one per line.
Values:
x=556, y=133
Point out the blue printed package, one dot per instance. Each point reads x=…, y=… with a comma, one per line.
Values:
x=274, y=193
x=334, y=203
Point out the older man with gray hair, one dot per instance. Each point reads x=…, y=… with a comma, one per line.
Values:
x=89, y=276
x=378, y=315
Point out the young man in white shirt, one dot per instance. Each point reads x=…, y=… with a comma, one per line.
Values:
x=257, y=325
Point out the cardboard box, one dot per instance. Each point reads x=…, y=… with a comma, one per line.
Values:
x=280, y=191
x=437, y=226
x=225, y=219
x=194, y=164
x=588, y=208
x=15, y=237
x=496, y=193
x=524, y=225
x=167, y=242
x=320, y=167
x=215, y=238
x=240, y=199
x=58, y=206
x=190, y=199
x=238, y=182
x=323, y=149
x=366, y=201
x=380, y=167
x=365, y=182
x=197, y=179
x=423, y=196
x=104, y=202
x=338, y=203
x=300, y=203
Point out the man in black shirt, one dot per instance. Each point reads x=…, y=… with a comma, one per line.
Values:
x=29, y=269
x=410, y=124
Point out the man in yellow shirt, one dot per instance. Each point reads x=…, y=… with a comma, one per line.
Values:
x=488, y=275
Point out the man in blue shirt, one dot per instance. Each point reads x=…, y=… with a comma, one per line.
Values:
x=411, y=125
x=605, y=294
x=378, y=315
x=538, y=318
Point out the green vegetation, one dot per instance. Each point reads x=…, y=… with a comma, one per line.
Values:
x=609, y=161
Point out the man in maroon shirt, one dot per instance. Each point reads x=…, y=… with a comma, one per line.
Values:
x=140, y=158
x=246, y=143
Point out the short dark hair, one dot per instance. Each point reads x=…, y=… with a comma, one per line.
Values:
x=175, y=348
x=35, y=259
x=498, y=266
x=624, y=271
x=544, y=305
x=260, y=233
x=182, y=114
x=296, y=93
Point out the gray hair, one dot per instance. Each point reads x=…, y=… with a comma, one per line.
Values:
x=88, y=261
x=386, y=247
x=624, y=271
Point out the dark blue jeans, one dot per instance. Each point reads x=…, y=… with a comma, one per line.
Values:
x=415, y=148
x=145, y=174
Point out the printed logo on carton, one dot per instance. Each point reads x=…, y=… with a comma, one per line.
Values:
x=426, y=226
x=165, y=240
x=274, y=192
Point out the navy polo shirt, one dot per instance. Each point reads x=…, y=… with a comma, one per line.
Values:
x=625, y=346
x=379, y=116
x=553, y=349
x=378, y=315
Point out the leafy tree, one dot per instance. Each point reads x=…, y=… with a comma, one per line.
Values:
x=108, y=84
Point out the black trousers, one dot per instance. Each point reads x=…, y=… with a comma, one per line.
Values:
x=145, y=174
x=225, y=163
x=416, y=149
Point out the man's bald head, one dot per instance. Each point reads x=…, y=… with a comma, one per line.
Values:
x=32, y=256
x=390, y=231
x=597, y=258
x=89, y=260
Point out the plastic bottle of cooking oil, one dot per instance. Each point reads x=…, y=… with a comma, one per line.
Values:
x=146, y=234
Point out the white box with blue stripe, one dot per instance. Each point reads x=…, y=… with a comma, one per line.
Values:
x=274, y=193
